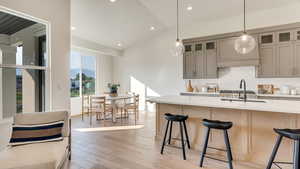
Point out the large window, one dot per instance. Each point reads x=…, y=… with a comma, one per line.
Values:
x=22, y=77
x=83, y=74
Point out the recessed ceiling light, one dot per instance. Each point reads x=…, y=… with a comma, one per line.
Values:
x=152, y=28
x=189, y=8
x=112, y=0
x=73, y=28
x=119, y=44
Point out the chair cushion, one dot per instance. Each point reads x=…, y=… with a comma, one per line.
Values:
x=26, y=134
x=289, y=133
x=216, y=124
x=44, y=117
x=176, y=117
x=48, y=155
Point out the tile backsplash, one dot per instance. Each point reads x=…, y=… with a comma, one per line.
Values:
x=229, y=79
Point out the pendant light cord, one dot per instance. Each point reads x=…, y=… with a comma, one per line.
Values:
x=177, y=20
x=244, y=16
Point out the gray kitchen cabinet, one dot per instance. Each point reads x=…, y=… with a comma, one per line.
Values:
x=227, y=55
x=188, y=62
x=199, y=60
x=267, y=39
x=285, y=60
x=277, y=52
x=297, y=58
x=211, y=60
x=267, y=61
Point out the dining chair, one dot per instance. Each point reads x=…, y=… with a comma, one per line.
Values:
x=98, y=105
x=85, y=105
x=133, y=106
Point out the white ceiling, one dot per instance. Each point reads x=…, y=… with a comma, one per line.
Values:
x=128, y=21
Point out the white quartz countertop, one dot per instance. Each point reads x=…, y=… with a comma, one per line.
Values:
x=282, y=106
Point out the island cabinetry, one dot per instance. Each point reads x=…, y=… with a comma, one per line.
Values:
x=252, y=137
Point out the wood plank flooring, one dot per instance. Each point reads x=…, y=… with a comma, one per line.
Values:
x=122, y=145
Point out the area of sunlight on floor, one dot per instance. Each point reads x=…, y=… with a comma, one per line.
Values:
x=113, y=128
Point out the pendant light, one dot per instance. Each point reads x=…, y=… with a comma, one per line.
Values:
x=245, y=43
x=178, y=46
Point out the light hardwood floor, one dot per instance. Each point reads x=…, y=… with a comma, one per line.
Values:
x=124, y=146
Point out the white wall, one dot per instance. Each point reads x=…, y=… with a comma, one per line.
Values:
x=150, y=61
x=104, y=75
x=57, y=13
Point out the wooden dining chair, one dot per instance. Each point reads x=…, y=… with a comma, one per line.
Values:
x=134, y=107
x=98, y=105
x=85, y=105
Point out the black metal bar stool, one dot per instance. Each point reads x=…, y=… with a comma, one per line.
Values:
x=181, y=120
x=219, y=125
x=293, y=134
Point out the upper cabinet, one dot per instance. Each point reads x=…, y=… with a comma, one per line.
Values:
x=211, y=59
x=199, y=60
x=227, y=55
x=276, y=55
x=267, y=39
x=280, y=57
x=188, y=61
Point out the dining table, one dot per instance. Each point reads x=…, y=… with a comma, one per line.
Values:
x=114, y=100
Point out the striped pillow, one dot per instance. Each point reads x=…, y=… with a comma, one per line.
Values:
x=26, y=134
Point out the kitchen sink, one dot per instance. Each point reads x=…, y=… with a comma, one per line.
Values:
x=242, y=100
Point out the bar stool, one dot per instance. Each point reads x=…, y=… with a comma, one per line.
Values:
x=293, y=134
x=181, y=120
x=219, y=125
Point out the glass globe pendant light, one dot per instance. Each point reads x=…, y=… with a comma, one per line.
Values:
x=245, y=43
x=178, y=46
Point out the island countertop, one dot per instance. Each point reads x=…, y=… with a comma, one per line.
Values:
x=281, y=106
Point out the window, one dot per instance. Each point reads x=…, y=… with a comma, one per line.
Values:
x=82, y=74
x=22, y=85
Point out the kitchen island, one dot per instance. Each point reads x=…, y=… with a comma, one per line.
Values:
x=252, y=137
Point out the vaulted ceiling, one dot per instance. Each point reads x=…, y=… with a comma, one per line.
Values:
x=128, y=21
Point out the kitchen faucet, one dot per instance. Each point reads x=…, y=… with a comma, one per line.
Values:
x=243, y=85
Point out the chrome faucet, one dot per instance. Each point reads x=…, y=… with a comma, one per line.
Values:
x=243, y=85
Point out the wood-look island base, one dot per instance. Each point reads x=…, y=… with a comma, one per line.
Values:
x=252, y=137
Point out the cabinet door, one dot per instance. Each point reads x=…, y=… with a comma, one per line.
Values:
x=211, y=59
x=199, y=61
x=297, y=35
x=266, y=39
x=284, y=37
x=188, y=62
x=285, y=60
x=267, y=61
x=297, y=59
